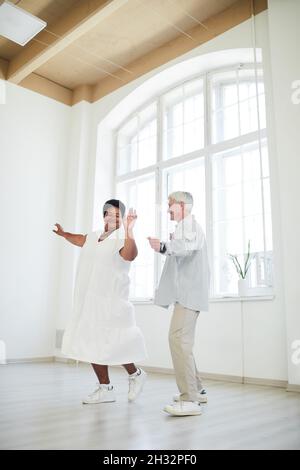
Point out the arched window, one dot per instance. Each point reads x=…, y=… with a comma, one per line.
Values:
x=207, y=135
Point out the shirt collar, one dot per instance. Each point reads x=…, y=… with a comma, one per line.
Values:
x=186, y=221
x=185, y=226
x=119, y=233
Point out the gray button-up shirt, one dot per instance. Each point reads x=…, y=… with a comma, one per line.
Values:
x=186, y=275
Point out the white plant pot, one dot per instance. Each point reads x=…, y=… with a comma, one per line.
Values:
x=243, y=286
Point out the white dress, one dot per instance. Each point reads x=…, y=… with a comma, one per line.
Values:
x=102, y=328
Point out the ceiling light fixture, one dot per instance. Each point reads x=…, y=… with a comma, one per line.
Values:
x=17, y=24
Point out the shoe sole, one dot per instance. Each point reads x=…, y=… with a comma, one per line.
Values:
x=202, y=401
x=97, y=402
x=141, y=389
x=182, y=413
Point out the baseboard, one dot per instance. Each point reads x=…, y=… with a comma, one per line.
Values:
x=65, y=360
x=48, y=359
x=30, y=360
x=204, y=375
x=221, y=377
x=169, y=371
x=266, y=382
x=228, y=378
x=157, y=370
x=293, y=388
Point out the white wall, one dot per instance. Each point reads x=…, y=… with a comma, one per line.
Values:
x=285, y=64
x=76, y=210
x=232, y=339
x=34, y=135
x=235, y=339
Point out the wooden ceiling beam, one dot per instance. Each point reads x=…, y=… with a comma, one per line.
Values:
x=235, y=14
x=3, y=68
x=77, y=22
x=82, y=93
x=46, y=87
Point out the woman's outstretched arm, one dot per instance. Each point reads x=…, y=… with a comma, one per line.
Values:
x=129, y=251
x=75, y=239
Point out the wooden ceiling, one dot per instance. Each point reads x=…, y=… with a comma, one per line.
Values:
x=92, y=47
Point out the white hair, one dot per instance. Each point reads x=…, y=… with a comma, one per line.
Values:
x=182, y=196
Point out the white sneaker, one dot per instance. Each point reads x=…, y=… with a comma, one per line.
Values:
x=202, y=396
x=136, y=384
x=103, y=394
x=184, y=408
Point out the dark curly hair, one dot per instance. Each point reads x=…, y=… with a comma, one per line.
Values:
x=114, y=203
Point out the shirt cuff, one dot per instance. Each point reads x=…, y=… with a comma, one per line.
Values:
x=163, y=247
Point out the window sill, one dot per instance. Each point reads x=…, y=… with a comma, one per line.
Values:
x=234, y=298
x=248, y=298
x=142, y=301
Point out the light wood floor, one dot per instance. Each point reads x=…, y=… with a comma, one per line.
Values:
x=40, y=408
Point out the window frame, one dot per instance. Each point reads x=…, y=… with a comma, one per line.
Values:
x=206, y=152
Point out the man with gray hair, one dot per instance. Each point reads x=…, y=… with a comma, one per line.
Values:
x=185, y=283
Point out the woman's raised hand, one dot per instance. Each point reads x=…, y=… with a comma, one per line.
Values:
x=59, y=231
x=130, y=219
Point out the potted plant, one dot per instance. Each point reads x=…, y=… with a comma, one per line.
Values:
x=243, y=283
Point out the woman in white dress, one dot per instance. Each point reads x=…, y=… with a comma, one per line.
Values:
x=102, y=328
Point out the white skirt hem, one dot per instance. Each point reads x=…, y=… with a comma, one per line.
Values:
x=131, y=360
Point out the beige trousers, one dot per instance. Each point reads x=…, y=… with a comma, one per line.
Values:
x=181, y=341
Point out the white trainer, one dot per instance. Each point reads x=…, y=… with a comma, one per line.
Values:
x=202, y=396
x=184, y=408
x=136, y=384
x=103, y=394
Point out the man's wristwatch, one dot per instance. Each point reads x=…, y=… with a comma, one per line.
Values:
x=163, y=247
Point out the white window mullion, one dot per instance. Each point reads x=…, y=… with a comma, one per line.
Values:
x=243, y=199
x=159, y=187
x=115, y=162
x=238, y=101
x=208, y=172
x=183, y=119
x=136, y=163
x=135, y=174
x=242, y=163
x=260, y=163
